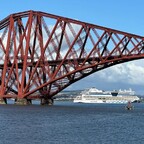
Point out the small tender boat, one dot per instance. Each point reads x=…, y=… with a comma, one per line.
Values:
x=129, y=106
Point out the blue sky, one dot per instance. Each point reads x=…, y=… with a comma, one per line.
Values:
x=122, y=15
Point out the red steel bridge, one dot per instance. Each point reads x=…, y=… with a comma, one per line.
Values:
x=41, y=54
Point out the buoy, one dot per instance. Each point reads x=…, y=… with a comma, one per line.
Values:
x=129, y=106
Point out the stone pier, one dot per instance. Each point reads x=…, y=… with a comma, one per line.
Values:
x=47, y=101
x=23, y=101
x=3, y=101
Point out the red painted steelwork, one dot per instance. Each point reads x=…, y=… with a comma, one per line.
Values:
x=41, y=54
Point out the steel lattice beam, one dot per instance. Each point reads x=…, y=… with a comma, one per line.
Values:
x=45, y=53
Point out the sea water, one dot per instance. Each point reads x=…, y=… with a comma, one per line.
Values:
x=71, y=123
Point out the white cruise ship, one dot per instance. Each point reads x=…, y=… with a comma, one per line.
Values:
x=94, y=95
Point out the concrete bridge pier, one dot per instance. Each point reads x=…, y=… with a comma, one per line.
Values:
x=23, y=101
x=47, y=101
x=3, y=101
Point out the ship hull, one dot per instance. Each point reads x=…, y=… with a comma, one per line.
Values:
x=102, y=99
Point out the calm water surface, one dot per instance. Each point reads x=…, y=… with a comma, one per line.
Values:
x=70, y=123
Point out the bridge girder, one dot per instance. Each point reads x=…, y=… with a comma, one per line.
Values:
x=42, y=54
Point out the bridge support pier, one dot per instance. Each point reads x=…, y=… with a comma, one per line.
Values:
x=3, y=101
x=47, y=101
x=23, y=101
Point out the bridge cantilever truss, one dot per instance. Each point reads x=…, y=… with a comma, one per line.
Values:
x=45, y=53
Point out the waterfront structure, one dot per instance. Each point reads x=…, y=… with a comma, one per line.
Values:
x=41, y=54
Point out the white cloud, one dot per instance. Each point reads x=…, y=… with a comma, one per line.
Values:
x=130, y=73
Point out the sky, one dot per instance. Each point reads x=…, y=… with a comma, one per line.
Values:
x=122, y=15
